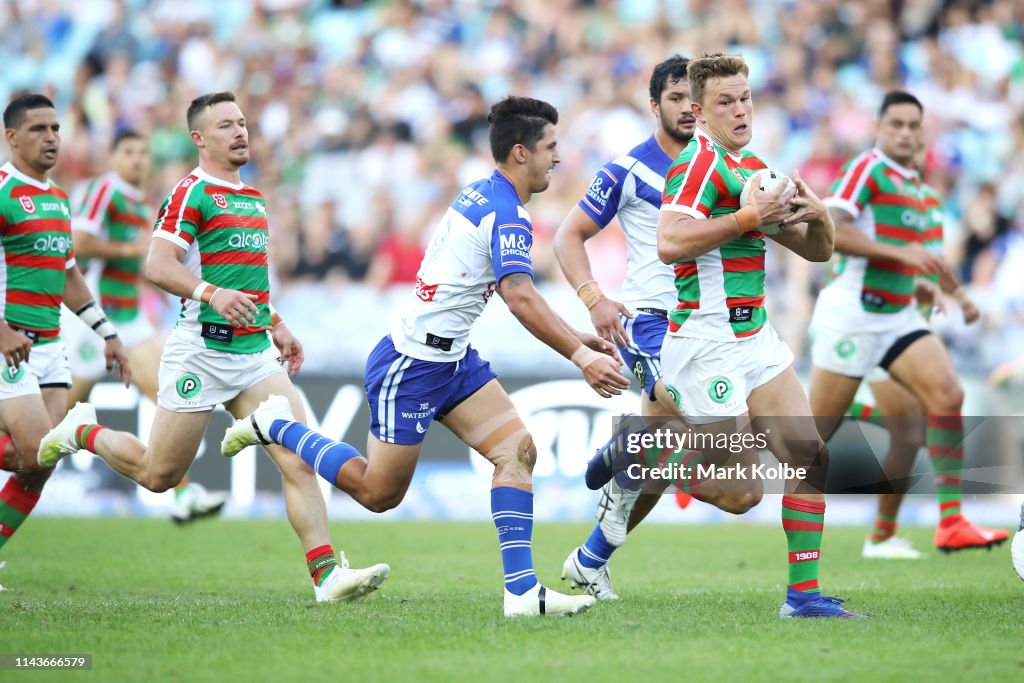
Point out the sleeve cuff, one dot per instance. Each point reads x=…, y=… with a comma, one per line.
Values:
x=847, y=206
x=173, y=239
x=679, y=208
x=82, y=224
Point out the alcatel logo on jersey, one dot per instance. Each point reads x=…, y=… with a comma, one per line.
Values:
x=53, y=243
x=27, y=205
x=248, y=240
x=219, y=200
x=914, y=219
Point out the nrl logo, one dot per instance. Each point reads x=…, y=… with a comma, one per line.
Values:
x=27, y=204
x=219, y=200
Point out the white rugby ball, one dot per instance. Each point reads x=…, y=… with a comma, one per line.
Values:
x=768, y=180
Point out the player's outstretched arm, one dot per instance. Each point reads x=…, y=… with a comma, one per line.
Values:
x=810, y=232
x=572, y=256
x=602, y=372
x=849, y=240
x=165, y=270
x=683, y=236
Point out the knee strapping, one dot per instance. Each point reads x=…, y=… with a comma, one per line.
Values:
x=506, y=443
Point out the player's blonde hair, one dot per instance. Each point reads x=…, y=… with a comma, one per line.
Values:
x=713, y=65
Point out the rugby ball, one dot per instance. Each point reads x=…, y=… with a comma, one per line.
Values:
x=768, y=180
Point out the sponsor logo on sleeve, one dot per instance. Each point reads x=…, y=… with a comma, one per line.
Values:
x=600, y=190
x=515, y=241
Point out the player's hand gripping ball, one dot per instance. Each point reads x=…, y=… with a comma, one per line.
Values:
x=767, y=180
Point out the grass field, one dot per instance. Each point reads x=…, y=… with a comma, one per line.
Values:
x=230, y=600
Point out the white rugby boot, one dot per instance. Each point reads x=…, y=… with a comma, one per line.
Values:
x=344, y=583
x=540, y=601
x=254, y=429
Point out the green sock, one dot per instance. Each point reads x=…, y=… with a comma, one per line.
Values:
x=686, y=460
x=803, y=522
x=885, y=528
x=865, y=413
x=945, y=437
x=16, y=502
x=321, y=562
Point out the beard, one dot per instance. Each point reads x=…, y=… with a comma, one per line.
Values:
x=677, y=133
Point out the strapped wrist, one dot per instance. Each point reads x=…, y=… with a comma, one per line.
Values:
x=199, y=293
x=93, y=316
x=590, y=293
x=747, y=218
x=584, y=356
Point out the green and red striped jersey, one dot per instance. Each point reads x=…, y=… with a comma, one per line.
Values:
x=35, y=238
x=887, y=205
x=932, y=233
x=223, y=229
x=114, y=210
x=721, y=293
x=934, y=217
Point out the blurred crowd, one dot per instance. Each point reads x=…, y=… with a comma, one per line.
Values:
x=367, y=117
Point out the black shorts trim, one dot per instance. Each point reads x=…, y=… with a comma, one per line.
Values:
x=55, y=385
x=899, y=346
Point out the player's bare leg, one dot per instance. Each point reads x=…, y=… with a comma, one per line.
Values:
x=488, y=422
x=29, y=422
x=925, y=368
x=903, y=417
x=174, y=442
x=145, y=360
x=81, y=387
x=784, y=417
x=831, y=395
x=191, y=500
x=333, y=579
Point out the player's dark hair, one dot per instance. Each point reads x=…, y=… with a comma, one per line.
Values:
x=518, y=121
x=898, y=97
x=673, y=68
x=127, y=134
x=14, y=114
x=202, y=103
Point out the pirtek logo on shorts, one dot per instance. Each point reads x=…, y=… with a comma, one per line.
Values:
x=13, y=375
x=189, y=386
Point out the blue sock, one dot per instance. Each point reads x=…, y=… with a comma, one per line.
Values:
x=795, y=597
x=512, y=510
x=322, y=454
x=597, y=550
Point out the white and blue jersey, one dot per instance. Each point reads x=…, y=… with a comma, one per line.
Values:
x=631, y=187
x=484, y=235
x=426, y=367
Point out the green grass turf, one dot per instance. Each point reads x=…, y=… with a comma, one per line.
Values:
x=230, y=600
